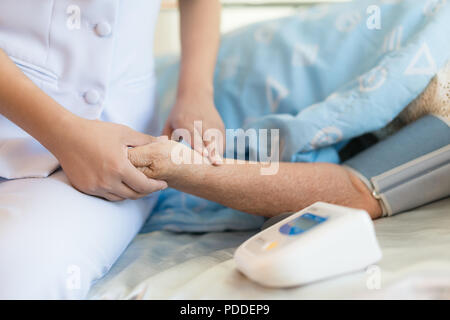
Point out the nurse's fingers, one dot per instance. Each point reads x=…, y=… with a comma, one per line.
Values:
x=193, y=138
x=138, y=181
x=189, y=134
x=112, y=197
x=124, y=191
x=214, y=141
x=199, y=147
x=213, y=154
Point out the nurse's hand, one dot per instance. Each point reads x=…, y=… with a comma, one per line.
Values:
x=198, y=108
x=94, y=156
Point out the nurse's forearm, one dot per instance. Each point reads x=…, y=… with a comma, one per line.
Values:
x=29, y=107
x=293, y=187
x=200, y=34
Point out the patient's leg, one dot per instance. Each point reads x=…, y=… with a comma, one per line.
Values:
x=242, y=186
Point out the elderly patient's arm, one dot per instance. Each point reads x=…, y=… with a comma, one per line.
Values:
x=242, y=187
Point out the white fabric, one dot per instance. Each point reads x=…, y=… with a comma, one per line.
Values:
x=163, y=265
x=94, y=57
x=55, y=241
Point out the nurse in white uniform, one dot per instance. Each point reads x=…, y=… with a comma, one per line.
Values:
x=76, y=91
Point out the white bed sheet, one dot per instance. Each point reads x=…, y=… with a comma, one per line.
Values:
x=163, y=265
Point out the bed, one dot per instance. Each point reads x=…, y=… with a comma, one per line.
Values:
x=165, y=265
x=176, y=265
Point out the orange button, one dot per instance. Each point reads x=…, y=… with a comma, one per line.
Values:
x=270, y=245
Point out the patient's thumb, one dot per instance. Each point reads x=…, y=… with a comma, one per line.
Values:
x=139, y=156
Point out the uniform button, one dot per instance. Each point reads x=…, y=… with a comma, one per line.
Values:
x=92, y=97
x=103, y=29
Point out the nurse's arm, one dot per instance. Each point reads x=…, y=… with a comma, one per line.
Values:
x=29, y=107
x=241, y=186
x=200, y=35
x=92, y=153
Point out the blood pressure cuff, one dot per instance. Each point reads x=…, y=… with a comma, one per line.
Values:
x=408, y=169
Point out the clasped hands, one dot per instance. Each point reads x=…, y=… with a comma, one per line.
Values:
x=165, y=159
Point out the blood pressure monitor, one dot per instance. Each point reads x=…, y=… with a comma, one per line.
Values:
x=318, y=242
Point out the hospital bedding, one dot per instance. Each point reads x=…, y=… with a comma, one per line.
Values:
x=166, y=265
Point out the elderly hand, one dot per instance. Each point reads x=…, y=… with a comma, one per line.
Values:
x=164, y=159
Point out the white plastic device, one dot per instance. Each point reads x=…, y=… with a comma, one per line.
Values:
x=318, y=242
